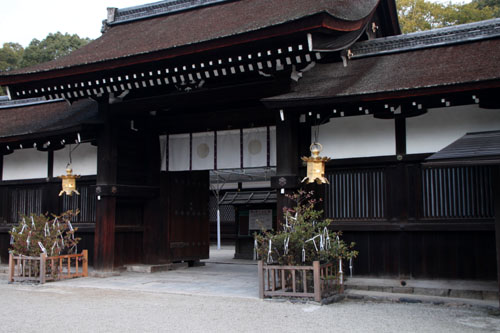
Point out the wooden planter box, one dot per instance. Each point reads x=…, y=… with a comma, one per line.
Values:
x=42, y=269
x=316, y=281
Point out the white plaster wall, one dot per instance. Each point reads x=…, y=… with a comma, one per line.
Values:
x=178, y=152
x=438, y=128
x=84, y=160
x=25, y=164
x=359, y=136
x=255, y=147
x=228, y=149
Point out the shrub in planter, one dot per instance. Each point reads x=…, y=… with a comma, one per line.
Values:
x=304, y=238
x=40, y=233
x=36, y=234
x=304, y=258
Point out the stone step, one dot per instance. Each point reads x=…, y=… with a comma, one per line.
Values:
x=478, y=290
x=142, y=268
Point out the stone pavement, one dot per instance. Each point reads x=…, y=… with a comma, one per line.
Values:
x=227, y=277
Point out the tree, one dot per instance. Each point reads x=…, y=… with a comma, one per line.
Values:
x=418, y=15
x=14, y=56
x=52, y=47
x=493, y=4
x=10, y=57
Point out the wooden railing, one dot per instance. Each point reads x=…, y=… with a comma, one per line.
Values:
x=42, y=269
x=316, y=281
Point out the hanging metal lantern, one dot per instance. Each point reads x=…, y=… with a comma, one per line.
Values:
x=69, y=182
x=315, y=165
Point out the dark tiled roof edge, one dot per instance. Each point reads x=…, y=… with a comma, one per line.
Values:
x=425, y=39
x=5, y=103
x=158, y=8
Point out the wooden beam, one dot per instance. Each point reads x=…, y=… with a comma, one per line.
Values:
x=130, y=191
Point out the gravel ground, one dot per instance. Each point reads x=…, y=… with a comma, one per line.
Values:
x=55, y=308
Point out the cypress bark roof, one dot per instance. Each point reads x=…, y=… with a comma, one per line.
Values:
x=480, y=148
x=127, y=41
x=401, y=64
x=33, y=116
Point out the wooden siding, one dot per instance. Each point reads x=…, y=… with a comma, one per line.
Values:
x=410, y=221
x=424, y=254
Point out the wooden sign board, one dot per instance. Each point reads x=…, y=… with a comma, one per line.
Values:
x=260, y=219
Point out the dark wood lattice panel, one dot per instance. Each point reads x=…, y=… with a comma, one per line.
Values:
x=457, y=192
x=356, y=194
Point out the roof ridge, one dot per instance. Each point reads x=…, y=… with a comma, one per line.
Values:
x=431, y=38
x=164, y=7
x=7, y=103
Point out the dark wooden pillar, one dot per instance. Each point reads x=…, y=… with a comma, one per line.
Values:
x=154, y=236
x=104, y=240
x=401, y=198
x=400, y=133
x=496, y=189
x=50, y=164
x=287, y=160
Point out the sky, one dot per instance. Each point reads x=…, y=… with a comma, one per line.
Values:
x=23, y=20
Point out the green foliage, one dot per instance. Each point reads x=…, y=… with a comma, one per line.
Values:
x=14, y=56
x=418, y=15
x=56, y=234
x=493, y=4
x=10, y=56
x=52, y=47
x=305, y=237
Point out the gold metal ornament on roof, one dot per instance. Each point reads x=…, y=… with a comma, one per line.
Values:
x=315, y=165
x=69, y=182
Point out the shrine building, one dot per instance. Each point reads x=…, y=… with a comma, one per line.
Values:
x=182, y=107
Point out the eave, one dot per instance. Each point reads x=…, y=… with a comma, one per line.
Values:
x=318, y=22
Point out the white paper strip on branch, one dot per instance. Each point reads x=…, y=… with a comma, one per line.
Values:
x=163, y=152
x=255, y=147
x=203, y=151
x=272, y=145
x=84, y=159
x=228, y=149
x=178, y=152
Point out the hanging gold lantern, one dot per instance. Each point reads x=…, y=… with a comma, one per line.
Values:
x=69, y=182
x=315, y=165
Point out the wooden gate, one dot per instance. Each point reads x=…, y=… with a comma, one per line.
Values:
x=187, y=215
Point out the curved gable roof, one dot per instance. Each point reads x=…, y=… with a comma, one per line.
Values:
x=131, y=40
